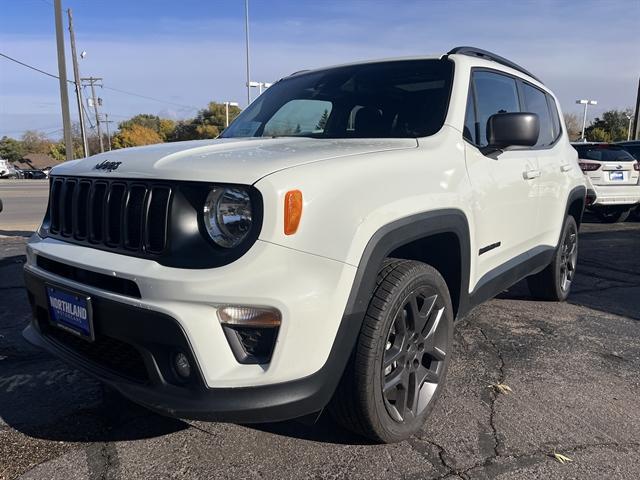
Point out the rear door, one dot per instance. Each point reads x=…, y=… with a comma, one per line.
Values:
x=505, y=203
x=553, y=184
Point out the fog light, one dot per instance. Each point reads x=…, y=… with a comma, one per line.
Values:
x=249, y=316
x=251, y=332
x=181, y=365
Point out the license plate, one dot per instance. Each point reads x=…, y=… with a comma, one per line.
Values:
x=616, y=176
x=71, y=311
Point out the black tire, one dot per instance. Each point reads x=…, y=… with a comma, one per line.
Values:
x=635, y=214
x=409, y=325
x=554, y=282
x=613, y=216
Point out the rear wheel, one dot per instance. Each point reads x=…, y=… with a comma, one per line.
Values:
x=401, y=357
x=612, y=215
x=554, y=282
x=635, y=214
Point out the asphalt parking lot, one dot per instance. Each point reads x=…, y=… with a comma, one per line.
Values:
x=573, y=368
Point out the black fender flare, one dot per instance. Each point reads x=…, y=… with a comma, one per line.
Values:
x=402, y=232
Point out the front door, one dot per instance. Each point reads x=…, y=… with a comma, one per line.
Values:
x=505, y=202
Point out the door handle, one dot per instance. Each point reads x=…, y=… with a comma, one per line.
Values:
x=531, y=174
x=565, y=168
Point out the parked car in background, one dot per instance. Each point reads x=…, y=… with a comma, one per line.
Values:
x=7, y=170
x=614, y=174
x=633, y=147
x=34, y=174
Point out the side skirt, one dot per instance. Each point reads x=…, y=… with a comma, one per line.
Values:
x=508, y=274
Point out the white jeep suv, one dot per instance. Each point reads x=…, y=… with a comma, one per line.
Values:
x=317, y=253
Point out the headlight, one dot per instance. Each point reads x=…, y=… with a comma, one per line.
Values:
x=227, y=215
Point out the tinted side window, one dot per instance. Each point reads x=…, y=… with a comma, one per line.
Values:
x=555, y=117
x=469, y=131
x=495, y=93
x=535, y=101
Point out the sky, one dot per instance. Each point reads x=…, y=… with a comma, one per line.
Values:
x=186, y=53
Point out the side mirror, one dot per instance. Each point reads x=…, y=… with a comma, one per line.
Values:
x=511, y=129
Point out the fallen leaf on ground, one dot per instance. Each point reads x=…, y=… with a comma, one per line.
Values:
x=501, y=388
x=562, y=458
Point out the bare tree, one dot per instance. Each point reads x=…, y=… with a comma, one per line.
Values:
x=573, y=126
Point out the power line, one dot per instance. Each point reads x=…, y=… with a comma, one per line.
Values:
x=31, y=67
x=150, y=98
x=125, y=92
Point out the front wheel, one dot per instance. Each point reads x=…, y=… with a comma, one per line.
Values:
x=401, y=357
x=554, y=282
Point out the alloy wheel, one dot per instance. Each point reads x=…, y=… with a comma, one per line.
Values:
x=414, y=355
x=568, y=258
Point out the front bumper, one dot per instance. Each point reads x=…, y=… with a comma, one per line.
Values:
x=175, y=309
x=310, y=292
x=607, y=195
x=132, y=351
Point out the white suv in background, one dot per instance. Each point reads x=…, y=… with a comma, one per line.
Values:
x=318, y=252
x=613, y=172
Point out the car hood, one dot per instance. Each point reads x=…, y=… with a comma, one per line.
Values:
x=233, y=160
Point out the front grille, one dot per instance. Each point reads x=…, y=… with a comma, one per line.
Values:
x=87, y=277
x=111, y=214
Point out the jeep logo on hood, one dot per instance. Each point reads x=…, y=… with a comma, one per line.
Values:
x=108, y=166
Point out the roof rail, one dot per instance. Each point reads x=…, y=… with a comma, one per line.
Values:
x=299, y=71
x=477, y=52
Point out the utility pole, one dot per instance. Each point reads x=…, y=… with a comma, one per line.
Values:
x=636, y=121
x=107, y=121
x=246, y=32
x=62, y=73
x=92, y=82
x=76, y=76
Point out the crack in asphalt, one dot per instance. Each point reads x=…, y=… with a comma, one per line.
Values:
x=451, y=470
x=494, y=394
x=491, y=461
x=107, y=460
x=544, y=453
x=101, y=458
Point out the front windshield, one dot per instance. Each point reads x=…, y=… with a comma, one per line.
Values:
x=397, y=99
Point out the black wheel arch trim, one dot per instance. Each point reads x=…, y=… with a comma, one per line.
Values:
x=577, y=193
x=402, y=232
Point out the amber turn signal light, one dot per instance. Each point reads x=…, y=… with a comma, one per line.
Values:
x=292, y=211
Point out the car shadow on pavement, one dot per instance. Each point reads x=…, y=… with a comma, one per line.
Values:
x=16, y=233
x=44, y=398
x=324, y=430
x=608, y=272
